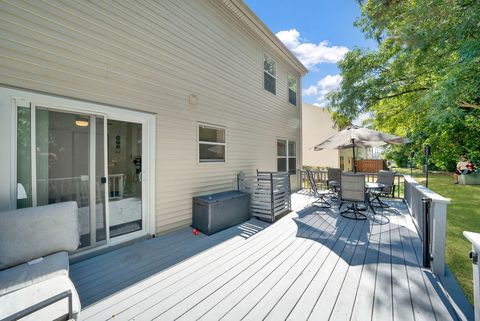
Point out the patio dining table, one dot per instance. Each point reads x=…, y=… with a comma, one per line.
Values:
x=371, y=187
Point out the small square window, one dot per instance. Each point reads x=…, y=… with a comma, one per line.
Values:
x=211, y=144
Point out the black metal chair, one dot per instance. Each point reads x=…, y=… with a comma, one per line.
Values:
x=386, y=178
x=353, y=192
x=321, y=201
x=333, y=181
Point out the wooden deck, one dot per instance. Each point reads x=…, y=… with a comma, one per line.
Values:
x=310, y=265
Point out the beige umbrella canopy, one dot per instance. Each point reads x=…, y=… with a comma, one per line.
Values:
x=353, y=136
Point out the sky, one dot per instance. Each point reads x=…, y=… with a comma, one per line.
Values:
x=319, y=33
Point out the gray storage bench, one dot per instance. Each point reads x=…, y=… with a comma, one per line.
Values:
x=215, y=212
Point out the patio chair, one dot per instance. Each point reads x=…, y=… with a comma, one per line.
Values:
x=333, y=182
x=353, y=192
x=333, y=175
x=386, y=178
x=319, y=194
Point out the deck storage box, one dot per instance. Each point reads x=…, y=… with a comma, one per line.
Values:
x=215, y=212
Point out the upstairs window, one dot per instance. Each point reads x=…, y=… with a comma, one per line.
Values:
x=286, y=156
x=269, y=74
x=211, y=144
x=292, y=90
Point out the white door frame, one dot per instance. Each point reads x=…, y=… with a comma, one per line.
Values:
x=108, y=112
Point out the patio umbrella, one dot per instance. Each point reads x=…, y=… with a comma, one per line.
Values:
x=353, y=136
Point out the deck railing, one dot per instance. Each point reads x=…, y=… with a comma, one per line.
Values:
x=321, y=178
x=414, y=194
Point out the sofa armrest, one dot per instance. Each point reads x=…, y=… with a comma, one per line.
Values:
x=40, y=305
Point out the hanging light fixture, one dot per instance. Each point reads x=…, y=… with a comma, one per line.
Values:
x=81, y=122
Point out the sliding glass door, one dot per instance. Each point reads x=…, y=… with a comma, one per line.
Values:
x=89, y=159
x=125, y=177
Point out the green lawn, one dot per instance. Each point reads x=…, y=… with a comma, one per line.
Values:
x=463, y=213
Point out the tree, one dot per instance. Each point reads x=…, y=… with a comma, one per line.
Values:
x=423, y=81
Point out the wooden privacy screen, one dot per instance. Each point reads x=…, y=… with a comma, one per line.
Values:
x=369, y=165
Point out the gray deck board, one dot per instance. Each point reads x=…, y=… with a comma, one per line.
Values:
x=326, y=301
x=345, y=299
x=382, y=303
x=363, y=304
x=402, y=298
x=442, y=309
x=215, y=281
x=312, y=264
x=243, y=284
x=263, y=306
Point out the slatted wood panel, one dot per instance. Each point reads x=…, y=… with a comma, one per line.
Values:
x=369, y=165
x=270, y=193
x=314, y=265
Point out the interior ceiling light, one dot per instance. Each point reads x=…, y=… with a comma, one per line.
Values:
x=81, y=123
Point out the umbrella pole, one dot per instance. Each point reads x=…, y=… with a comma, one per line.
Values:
x=353, y=158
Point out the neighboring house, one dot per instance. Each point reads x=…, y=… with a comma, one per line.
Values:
x=317, y=125
x=155, y=102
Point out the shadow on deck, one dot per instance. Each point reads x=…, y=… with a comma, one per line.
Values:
x=101, y=276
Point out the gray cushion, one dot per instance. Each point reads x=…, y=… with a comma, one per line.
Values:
x=30, y=233
x=26, y=297
x=25, y=274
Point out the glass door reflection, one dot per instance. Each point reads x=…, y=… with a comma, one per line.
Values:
x=124, y=177
x=66, y=163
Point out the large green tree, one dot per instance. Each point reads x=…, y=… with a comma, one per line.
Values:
x=422, y=80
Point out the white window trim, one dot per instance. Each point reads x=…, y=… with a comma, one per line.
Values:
x=286, y=153
x=199, y=162
x=274, y=76
x=296, y=89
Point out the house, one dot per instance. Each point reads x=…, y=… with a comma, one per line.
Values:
x=132, y=108
x=317, y=125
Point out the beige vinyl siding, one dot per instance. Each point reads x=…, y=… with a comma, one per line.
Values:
x=317, y=125
x=150, y=56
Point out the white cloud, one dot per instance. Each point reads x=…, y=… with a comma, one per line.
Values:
x=311, y=54
x=310, y=91
x=324, y=86
x=329, y=83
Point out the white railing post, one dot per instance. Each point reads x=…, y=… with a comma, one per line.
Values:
x=439, y=231
x=414, y=192
x=475, y=239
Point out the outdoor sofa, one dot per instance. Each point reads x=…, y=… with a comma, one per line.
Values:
x=34, y=246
